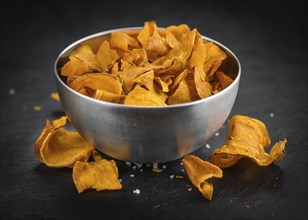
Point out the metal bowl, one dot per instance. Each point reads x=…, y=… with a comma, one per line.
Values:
x=146, y=134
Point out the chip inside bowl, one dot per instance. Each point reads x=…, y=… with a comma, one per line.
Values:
x=165, y=66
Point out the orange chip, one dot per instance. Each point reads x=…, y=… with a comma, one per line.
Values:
x=146, y=32
x=164, y=84
x=96, y=81
x=82, y=61
x=199, y=171
x=223, y=79
x=247, y=137
x=100, y=174
x=178, y=79
x=121, y=40
x=179, y=31
x=213, y=58
x=179, y=177
x=108, y=96
x=142, y=97
x=48, y=129
x=188, y=43
x=57, y=147
x=55, y=96
x=105, y=55
x=181, y=95
x=136, y=56
x=128, y=76
x=157, y=170
x=37, y=108
x=146, y=80
x=75, y=67
x=171, y=40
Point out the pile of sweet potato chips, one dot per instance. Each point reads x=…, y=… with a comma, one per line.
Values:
x=148, y=67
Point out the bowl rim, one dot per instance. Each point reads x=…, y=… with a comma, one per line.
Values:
x=117, y=105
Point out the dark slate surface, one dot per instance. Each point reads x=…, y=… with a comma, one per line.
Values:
x=269, y=38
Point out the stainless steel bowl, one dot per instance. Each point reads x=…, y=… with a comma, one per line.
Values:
x=146, y=134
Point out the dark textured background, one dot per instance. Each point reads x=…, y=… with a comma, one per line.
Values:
x=270, y=40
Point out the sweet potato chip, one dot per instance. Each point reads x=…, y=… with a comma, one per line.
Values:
x=98, y=81
x=55, y=96
x=106, y=56
x=213, y=58
x=223, y=79
x=75, y=67
x=142, y=97
x=82, y=61
x=128, y=76
x=247, y=137
x=123, y=41
x=181, y=95
x=199, y=171
x=57, y=147
x=146, y=80
x=108, y=96
x=100, y=174
x=136, y=56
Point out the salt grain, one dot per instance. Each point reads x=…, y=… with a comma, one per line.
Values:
x=138, y=164
x=171, y=176
x=141, y=170
x=134, y=167
x=164, y=166
x=12, y=91
x=208, y=146
x=189, y=189
x=131, y=175
x=136, y=191
x=182, y=163
x=120, y=180
x=217, y=134
x=155, y=165
x=271, y=115
x=183, y=170
x=155, y=207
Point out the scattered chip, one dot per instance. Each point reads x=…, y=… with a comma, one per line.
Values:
x=174, y=63
x=100, y=174
x=55, y=96
x=37, y=108
x=247, y=137
x=58, y=147
x=199, y=171
x=157, y=170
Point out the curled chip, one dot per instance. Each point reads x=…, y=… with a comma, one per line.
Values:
x=175, y=63
x=100, y=174
x=199, y=171
x=247, y=137
x=57, y=147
